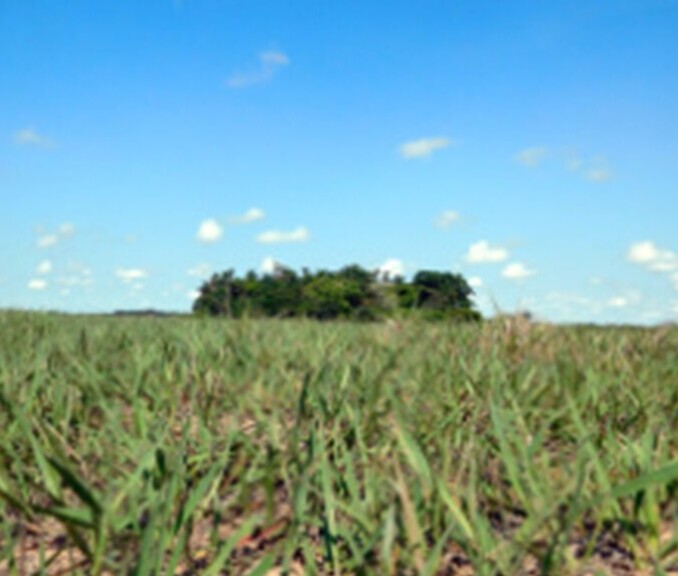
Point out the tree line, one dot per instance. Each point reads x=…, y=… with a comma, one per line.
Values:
x=348, y=293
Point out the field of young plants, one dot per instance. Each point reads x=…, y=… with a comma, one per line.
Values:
x=163, y=446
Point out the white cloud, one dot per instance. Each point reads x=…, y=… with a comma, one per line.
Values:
x=252, y=215
x=517, y=271
x=80, y=275
x=599, y=175
x=47, y=240
x=424, y=147
x=643, y=252
x=66, y=230
x=574, y=162
x=618, y=302
x=482, y=252
x=200, y=270
x=531, y=157
x=129, y=275
x=647, y=254
x=268, y=265
x=45, y=267
x=269, y=63
x=392, y=268
x=274, y=58
x=475, y=282
x=37, y=284
x=667, y=263
x=271, y=266
x=630, y=298
x=299, y=234
x=210, y=231
x=447, y=219
x=595, y=170
x=193, y=295
x=31, y=137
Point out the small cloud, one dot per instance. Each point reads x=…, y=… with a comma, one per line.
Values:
x=45, y=267
x=37, y=284
x=574, y=162
x=66, y=230
x=517, y=271
x=531, y=157
x=269, y=63
x=424, y=147
x=647, y=254
x=392, y=268
x=300, y=234
x=630, y=298
x=31, y=137
x=252, y=215
x=667, y=263
x=475, y=282
x=447, y=219
x=79, y=275
x=210, y=231
x=594, y=170
x=618, y=302
x=274, y=58
x=643, y=252
x=193, y=295
x=129, y=275
x=599, y=175
x=200, y=271
x=47, y=240
x=482, y=252
x=268, y=265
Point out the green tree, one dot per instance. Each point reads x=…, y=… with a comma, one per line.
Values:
x=442, y=291
x=329, y=296
x=351, y=292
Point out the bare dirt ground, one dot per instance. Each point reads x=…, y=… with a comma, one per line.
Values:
x=603, y=555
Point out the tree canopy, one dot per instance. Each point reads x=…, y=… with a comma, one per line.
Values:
x=350, y=292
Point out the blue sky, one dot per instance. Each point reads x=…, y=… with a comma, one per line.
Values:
x=531, y=146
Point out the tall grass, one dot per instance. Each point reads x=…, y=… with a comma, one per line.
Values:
x=195, y=446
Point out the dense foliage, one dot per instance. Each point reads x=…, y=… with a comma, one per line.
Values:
x=351, y=292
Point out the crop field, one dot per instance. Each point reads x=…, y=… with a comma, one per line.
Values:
x=179, y=446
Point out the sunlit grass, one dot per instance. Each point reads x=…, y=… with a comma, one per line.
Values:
x=198, y=446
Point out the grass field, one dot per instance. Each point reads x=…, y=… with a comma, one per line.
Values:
x=198, y=446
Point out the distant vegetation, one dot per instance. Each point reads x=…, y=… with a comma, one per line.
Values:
x=349, y=293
